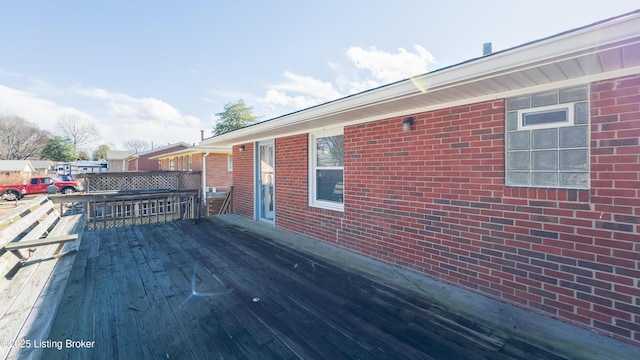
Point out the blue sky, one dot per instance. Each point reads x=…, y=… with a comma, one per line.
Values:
x=160, y=70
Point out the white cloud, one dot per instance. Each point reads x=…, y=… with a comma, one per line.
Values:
x=299, y=91
x=117, y=116
x=144, y=118
x=128, y=107
x=388, y=67
x=366, y=69
x=307, y=85
x=31, y=107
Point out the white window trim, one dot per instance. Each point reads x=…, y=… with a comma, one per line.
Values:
x=229, y=162
x=570, y=107
x=313, y=202
x=569, y=122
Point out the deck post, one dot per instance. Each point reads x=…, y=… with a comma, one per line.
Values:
x=104, y=214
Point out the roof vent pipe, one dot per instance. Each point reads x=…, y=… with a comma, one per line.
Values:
x=486, y=49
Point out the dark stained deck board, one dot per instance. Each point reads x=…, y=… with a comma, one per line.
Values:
x=179, y=290
x=304, y=325
x=103, y=312
x=202, y=280
x=363, y=299
x=135, y=315
x=274, y=303
x=198, y=316
x=173, y=343
x=359, y=297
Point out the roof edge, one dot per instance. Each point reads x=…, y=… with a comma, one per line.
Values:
x=550, y=49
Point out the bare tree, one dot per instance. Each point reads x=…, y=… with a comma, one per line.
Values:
x=136, y=145
x=80, y=130
x=20, y=139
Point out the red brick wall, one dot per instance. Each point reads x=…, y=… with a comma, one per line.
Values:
x=132, y=165
x=218, y=174
x=610, y=247
x=423, y=198
x=434, y=200
x=292, y=195
x=196, y=164
x=146, y=164
x=437, y=204
x=243, y=183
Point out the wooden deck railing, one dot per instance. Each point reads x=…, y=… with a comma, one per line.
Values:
x=140, y=181
x=129, y=208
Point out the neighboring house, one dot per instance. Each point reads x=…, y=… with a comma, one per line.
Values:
x=42, y=167
x=117, y=160
x=143, y=161
x=515, y=175
x=216, y=168
x=16, y=171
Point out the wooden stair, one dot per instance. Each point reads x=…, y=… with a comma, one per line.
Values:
x=220, y=203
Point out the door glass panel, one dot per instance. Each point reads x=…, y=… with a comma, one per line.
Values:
x=266, y=182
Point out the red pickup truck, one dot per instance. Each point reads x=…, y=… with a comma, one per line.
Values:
x=38, y=185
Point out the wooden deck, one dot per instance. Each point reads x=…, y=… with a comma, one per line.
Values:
x=211, y=291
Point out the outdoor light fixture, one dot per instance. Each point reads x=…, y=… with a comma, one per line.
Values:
x=407, y=123
x=241, y=148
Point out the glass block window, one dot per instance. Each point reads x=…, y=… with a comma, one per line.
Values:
x=547, y=139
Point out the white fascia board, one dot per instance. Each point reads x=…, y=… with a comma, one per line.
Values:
x=503, y=95
x=591, y=39
x=194, y=150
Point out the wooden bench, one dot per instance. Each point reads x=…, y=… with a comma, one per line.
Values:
x=15, y=247
x=31, y=287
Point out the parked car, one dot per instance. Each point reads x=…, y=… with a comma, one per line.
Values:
x=39, y=185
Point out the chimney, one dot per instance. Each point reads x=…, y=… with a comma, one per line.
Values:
x=486, y=49
x=201, y=135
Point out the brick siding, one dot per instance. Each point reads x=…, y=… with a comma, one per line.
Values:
x=196, y=164
x=218, y=174
x=144, y=163
x=292, y=194
x=433, y=200
x=243, y=181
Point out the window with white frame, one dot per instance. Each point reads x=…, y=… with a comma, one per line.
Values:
x=547, y=139
x=326, y=169
x=172, y=164
x=229, y=162
x=190, y=162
